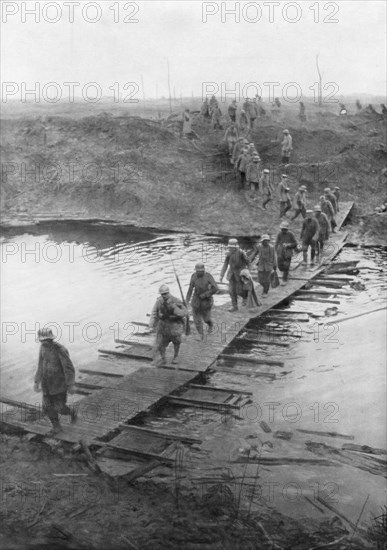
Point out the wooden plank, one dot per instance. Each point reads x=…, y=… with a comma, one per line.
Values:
x=205, y=395
x=334, y=278
x=165, y=435
x=289, y=318
x=324, y=292
x=227, y=390
x=88, y=386
x=130, y=451
x=94, y=374
x=330, y=284
x=292, y=312
x=283, y=461
x=123, y=353
x=257, y=374
x=320, y=300
x=262, y=342
x=287, y=312
x=134, y=344
x=325, y=434
x=198, y=402
x=274, y=332
x=238, y=357
x=19, y=404
x=342, y=319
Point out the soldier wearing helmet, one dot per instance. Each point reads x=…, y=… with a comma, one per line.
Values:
x=325, y=228
x=286, y=147
x=167, y=318
x=327, y=208
x=331, y=198
x=336, y=193
x=285, y=245
x=265, y=187
x=202, y=286
x=300, y=202
x=285, y=202
x=309, y=236
x=266, y=264
x=236, y=260
x=55, y=378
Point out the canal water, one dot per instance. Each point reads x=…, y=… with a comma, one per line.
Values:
x=89, y=281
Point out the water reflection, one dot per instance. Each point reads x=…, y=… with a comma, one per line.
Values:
x=87, y=282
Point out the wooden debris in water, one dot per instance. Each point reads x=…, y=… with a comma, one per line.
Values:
x=326, y=434
x=237, y=358
x=265, y=427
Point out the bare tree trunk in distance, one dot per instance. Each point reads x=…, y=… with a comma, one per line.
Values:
x=169, y=89
x=319, y=82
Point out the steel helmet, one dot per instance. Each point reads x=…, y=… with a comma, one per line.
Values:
x=45, y=334
x=265, y=238
x=233, y=243
x=199, y=266
x=164, y=289
x=284, y=225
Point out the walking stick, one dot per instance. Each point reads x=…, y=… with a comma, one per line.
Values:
x=187, y=326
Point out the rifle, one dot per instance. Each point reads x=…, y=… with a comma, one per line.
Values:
x=187, y=326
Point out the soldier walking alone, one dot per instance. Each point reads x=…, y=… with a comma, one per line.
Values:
x=55, y=378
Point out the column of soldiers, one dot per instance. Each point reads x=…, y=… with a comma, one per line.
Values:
x=170, y=315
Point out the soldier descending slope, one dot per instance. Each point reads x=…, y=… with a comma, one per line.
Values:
x=285, y=202
x=167, y=317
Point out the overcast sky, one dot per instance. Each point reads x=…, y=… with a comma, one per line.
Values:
x=352, y=50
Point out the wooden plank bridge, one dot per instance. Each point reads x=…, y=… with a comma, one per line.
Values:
x=122, y=385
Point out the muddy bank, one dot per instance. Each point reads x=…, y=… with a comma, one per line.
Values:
x=127, y=169
x=368, y=230
x=54, y=500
